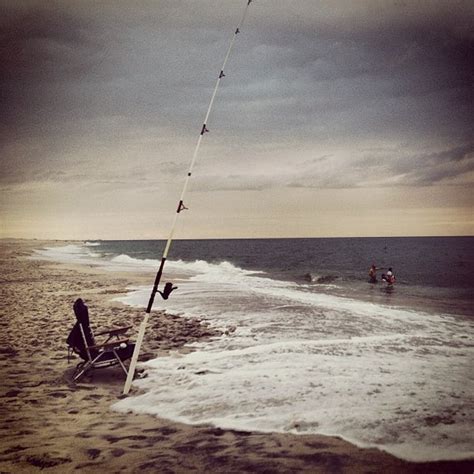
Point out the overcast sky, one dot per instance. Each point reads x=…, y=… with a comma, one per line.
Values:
x=335, y=118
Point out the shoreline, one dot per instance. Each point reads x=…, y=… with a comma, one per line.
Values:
x=53, y=425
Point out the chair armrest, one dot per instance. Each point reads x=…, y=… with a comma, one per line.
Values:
x=113, y=331
x=106, y=345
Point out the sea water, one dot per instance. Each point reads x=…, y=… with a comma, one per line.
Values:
x=310, y=346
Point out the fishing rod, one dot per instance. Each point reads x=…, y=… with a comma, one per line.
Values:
x=181, y=207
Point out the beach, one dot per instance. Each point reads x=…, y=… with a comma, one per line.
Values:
x=50, y=424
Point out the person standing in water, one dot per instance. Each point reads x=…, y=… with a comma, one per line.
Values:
x=373, y=273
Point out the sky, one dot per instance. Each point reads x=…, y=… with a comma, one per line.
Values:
x=335, y=118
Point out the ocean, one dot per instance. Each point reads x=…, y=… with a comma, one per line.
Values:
x=310, y=346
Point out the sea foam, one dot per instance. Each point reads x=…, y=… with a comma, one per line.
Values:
x=307, y=362
x=68, y=254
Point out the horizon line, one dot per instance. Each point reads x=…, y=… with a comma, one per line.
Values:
x=234, y=238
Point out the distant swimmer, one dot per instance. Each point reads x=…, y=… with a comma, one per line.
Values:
x=373, y=273
x=389, y=277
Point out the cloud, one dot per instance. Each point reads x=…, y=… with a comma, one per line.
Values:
x=437, y=168
x=383, y=167
x=119, y=87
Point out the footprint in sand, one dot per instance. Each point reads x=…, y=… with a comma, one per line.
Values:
x=46, y=461
x=93, y=396
x=57, y=394
x=93, y=453
x=14, y=449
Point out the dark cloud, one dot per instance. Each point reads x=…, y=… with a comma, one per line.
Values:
x=438, y=167
x=376, y=170
x=112, y=80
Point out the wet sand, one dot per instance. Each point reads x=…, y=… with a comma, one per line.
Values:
x=50, y=424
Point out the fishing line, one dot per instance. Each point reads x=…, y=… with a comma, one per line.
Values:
x=181, y=207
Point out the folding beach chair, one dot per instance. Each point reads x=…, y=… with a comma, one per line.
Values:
x=115, y=349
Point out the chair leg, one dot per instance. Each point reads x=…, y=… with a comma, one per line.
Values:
x=84, y=367
x=87, y=365
x=120, y=362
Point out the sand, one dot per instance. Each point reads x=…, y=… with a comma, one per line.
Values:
x=48, y=423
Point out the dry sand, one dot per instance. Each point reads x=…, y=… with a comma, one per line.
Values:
x=50, y=424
